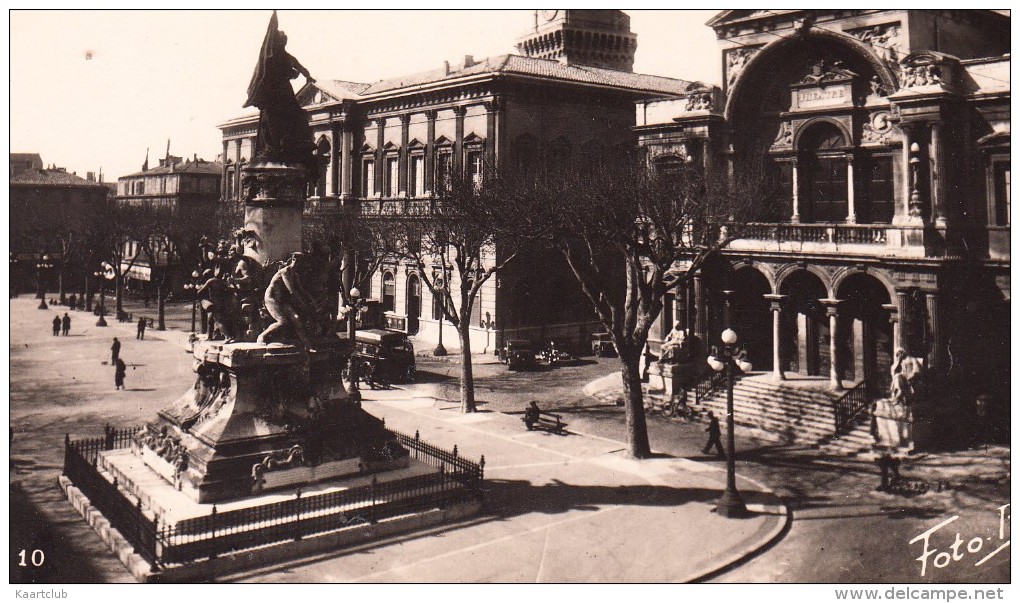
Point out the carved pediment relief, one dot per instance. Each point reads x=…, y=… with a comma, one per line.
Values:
x=443, y=141
x=928, y=69
x=736, y=60
x=312, y=95
x=473, y=138
x=884, y=40
x=879, y=130
x=827, y=70
x=367, y=148
x=414, y=143
x=784, y=137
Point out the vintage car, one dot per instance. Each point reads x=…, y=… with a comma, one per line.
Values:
x=602, y=345
x=384, y=356
x=517, y=354
x=554, y=354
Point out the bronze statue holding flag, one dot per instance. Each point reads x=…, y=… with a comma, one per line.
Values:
x=283, y=134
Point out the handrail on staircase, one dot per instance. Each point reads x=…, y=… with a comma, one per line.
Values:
x=706, y=384
x=848, y=406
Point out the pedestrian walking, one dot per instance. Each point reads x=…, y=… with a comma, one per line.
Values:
x=119, y=374
x=56, y=325
x=141, y=328
x=115, y=351
x=714, y=434
x=72, y=302
x=66, y=324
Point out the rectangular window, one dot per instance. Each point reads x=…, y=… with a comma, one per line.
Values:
x=417, y=175
x=881, y=199
x=392, y=176
x=368, y=178
x=1000, y=185
x=444, y=168
x=475, y=163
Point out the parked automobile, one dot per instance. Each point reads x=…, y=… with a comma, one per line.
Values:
x=602, y=345
x=517, y=354
x=384, y=356
x=554, y=353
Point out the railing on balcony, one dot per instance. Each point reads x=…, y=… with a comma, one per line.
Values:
x=856, y=234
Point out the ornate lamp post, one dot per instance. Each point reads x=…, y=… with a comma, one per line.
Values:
x=356, y=304
x=441, y=290
x=728, y=358
x=101, y=277
x=193, y=287
x=43, y=266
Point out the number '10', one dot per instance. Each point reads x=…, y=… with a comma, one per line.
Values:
x=37, y=558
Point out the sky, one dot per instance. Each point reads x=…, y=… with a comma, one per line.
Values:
x=92, y=90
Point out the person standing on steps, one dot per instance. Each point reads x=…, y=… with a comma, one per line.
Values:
x=119, y=374
x=66, y=324
x=714, y=436
x=115, y=351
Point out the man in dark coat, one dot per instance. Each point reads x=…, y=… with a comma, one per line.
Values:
x=114, y=351
x=714, y=434
x=119, y=374
x=65, y=324
x=141, y=328
x=56, y=325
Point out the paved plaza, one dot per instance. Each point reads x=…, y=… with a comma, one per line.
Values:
x=567, y=508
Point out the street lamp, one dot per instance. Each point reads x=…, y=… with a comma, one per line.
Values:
x=441, y=291
x=43, y=266
x=356, y=302
x=728, y=358
x=193, y=287
x=915, y=194
x=101, y=276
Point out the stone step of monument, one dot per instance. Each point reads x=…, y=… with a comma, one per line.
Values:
x=857, y=441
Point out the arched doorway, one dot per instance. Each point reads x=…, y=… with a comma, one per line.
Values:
x=413, y=303
x=865, y=333
x=823, y=153
x=750, y=315
x=804, y=330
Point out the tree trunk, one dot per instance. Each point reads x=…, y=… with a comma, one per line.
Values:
x=88, y=293
x=118, y=284
x=60, y=285
x=637, y=428
x=467, y=378
x=161, y=304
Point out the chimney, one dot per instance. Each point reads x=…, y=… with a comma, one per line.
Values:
x=469, y=60
x=196, y=157
x=446, y=67
x=90, y=176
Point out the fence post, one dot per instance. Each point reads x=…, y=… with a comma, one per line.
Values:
x=67, y=451
x=417, y=441
x=454, y=451
x=212, y=530
x=481, y=468
x=109, y=432
x=371, y=512
x=297, y=524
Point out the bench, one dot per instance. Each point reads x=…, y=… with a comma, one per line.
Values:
x=551, y=422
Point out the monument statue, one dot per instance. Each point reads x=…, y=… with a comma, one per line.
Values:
x=283, y=133
x=286, y=300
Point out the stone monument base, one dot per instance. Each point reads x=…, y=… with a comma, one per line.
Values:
x=261, y=417
x=675, y=378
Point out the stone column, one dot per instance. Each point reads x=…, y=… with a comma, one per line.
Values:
x=334, y=160
x=405, y=125
x=777, y=364
x=728, y=309
x=700, y=324
x=832, y=313
x=851, y=209
x=931, y=299
x=237, y=169
x=458, y=143
x=493, y=118
x=688, y=309
x=430, y=151
x=380, y=155
x=901, y=310
x=937, y=165
x=795, y=218
x=894, y=320
x=905, y=166
x=223, y=183
x=349, y=160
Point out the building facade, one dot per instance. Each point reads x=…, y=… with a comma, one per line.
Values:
x=49, y=209
x=190, y=188
x=889, y=132
x=386, y=147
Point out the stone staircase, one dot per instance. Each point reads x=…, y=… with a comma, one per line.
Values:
x=853, y=443
x=797, y=411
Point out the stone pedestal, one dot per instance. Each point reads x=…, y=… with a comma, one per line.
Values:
x=274, y=198
x=261, y=417
x=675, y=377
x=895, y=424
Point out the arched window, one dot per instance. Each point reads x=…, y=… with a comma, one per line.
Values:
x=389, y=292
x=413, y=296
x=823, y=154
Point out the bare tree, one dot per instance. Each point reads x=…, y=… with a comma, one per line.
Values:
x=456, y=254
x=629, y=234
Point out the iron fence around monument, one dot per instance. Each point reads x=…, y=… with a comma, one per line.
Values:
x=455, y=480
